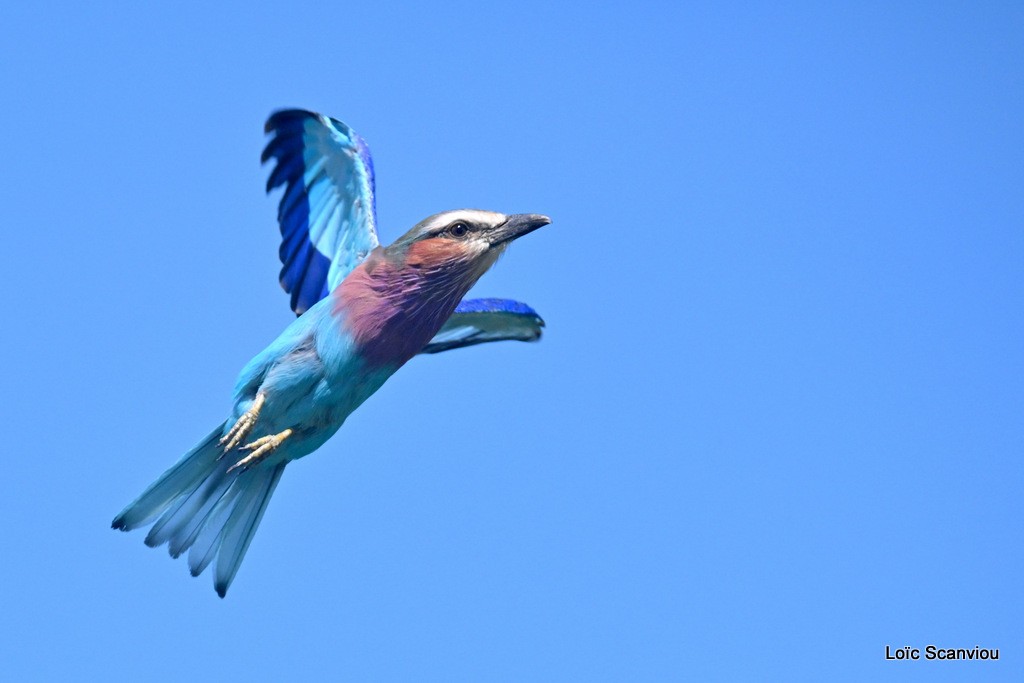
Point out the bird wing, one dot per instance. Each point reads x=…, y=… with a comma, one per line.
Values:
x=476, y=321
x=327, y=213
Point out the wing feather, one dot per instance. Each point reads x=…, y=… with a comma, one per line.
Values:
x=477, y=321
x=327, y=212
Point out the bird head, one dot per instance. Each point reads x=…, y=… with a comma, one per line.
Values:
x=468, y=241
x=397, y=299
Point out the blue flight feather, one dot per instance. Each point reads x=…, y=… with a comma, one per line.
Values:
x=495, y=306
x=477, y=321
x=327, y=213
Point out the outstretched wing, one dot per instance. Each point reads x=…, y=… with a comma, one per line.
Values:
x=327, y=213
x=476, y=321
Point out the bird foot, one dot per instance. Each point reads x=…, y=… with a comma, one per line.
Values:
x=261, y=448
x=244, y=425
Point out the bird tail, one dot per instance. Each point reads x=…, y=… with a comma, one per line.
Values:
x=201, y=507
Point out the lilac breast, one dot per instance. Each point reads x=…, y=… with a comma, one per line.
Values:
x=392, y=311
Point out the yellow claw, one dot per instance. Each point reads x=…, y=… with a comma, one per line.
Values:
x=261, y=448
x=244, y=425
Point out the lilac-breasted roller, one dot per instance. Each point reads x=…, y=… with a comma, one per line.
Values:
x=364, y=311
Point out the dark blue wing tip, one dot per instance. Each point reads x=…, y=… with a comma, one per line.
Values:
x=286, y=146
x=281, y=125
x=283, y=117
x=492, y=305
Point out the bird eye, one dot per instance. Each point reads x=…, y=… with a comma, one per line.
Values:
x=458, y=229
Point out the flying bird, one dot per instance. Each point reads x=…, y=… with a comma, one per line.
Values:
x=363, y=311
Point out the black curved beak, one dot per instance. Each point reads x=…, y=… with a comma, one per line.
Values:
x=516, y=226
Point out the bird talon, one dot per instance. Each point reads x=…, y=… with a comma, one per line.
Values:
x=261, y=448
x=244, y=425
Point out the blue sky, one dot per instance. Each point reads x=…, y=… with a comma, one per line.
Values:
x=774, y=424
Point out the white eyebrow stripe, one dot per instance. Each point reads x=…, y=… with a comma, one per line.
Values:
x=474, y=216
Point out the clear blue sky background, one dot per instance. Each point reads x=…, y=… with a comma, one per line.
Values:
x=775, y=423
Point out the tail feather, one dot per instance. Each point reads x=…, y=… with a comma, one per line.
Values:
x=199, y=505
x=184, y=476
x=188, y=531
x=242, y=524
x=204, y=549
x=184, y=510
